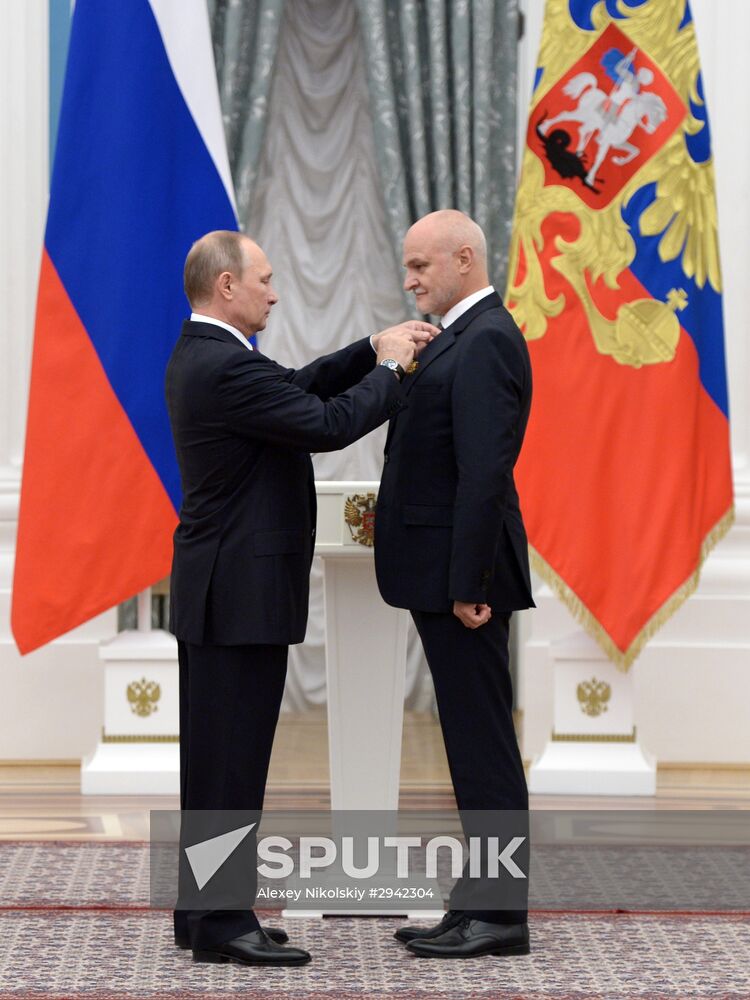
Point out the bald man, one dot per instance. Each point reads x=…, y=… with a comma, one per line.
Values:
x=450, y=543
x=244, y=428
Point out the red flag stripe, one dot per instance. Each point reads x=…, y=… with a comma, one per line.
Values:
x=85, y=470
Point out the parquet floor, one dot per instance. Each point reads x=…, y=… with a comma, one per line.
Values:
x=43, y=801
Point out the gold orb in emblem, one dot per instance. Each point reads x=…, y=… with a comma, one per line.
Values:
x=649, y=331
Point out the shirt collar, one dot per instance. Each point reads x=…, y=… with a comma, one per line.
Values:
x=200, y=318
x=464, y=305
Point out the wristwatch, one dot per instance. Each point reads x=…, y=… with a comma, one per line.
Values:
x=394, y=366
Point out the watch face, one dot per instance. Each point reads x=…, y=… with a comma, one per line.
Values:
x=390, y=363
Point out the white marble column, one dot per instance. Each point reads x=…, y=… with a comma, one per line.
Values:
x=51, y=704
x=24, y=170
x=692, y=683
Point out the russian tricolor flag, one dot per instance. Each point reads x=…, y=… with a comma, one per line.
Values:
x=140, y=172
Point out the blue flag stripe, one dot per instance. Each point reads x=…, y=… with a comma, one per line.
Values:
x=702, y=319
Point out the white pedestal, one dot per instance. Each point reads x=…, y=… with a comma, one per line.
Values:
x=365, y=661
x=690, y=683
x=365, y=657
x=138, y=753
x=132, y=769
x=593, y=747
x=593, y=769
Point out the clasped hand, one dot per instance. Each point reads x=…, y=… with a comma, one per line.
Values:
x=472, y=615
x=404, y=341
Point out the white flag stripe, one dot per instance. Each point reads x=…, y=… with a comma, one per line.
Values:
x=186, y=34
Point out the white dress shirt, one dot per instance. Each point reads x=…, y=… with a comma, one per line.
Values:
x=465, y=304
x=200, y=318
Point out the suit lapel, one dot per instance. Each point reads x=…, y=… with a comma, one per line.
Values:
x=433, y=350
x=441, y=344
x=447, y=338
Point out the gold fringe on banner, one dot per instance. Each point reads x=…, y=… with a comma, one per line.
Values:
x=623, y=659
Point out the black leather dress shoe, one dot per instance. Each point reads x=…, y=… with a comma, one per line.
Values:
x=275, y=933
x=470, y=938
x=254, y=948
x=450, y=919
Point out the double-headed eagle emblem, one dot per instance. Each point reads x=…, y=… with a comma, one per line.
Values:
x=593, y=696
x=143, y=696
x=359, y=514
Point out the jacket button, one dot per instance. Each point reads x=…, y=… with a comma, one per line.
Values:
x=386, y=459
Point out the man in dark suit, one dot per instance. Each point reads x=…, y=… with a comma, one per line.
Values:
x=450, y=544
x=244, y=428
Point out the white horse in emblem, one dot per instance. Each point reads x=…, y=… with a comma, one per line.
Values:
x=613, y=116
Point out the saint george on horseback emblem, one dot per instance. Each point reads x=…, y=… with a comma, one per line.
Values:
x=612, y=117
x=604, y=119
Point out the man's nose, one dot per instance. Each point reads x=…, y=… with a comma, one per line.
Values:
x=272, y=296
x=410, y=282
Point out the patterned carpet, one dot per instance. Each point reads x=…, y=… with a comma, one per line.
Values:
x=75, y=923
x=566, y=879
x=123, y=954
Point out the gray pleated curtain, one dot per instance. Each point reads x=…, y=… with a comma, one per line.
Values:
x=246, y=39
x=442, y=80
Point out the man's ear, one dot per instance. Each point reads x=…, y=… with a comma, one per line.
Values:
x=224, y=284
x=465, y=259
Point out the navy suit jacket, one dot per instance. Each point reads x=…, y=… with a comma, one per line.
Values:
x=243, y=429
x=448, y=525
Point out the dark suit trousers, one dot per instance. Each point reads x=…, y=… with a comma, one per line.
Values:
x=230, y=698
x=474, y=695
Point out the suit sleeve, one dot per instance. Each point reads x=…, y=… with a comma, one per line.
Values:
x=487, y=401
x=335, y=373
x=262, y=401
